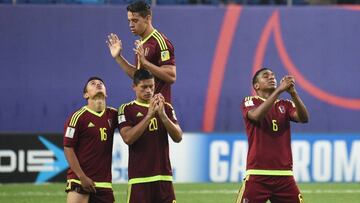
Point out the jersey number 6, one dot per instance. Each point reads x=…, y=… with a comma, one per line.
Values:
x=274, y=126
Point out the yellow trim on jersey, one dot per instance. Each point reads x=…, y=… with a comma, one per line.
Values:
x=94, y=112
x=269, y=172
x=97, y=184
x=160, y=40
x=122, y=107
x=148, y=37
x=258, y=97
x=142, y=103
x=150, y=179
x=75, y=117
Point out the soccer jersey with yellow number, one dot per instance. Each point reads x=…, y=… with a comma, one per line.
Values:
x=91, y=134
x=269, y=139
x=149, y=155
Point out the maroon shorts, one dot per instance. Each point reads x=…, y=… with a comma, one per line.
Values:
x=102, y=195
x=277, y=189
x=153, y=192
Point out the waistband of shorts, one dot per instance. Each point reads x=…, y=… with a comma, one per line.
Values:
x=269, y=172
x=150, y=179
x=97, y=184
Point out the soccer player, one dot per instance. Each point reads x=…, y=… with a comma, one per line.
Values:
x=154, y=51
x=144, y=126
x=88, y=142
x=267, y=119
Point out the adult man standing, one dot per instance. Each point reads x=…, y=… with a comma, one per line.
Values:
x=154, y=51
x=145, y=125
x=267, y=119
x=88, y=142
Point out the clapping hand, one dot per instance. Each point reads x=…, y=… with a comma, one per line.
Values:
x=114, y=44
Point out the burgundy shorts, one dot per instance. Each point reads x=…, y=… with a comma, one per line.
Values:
x=153, y=192
x=277, y=189
x=102, y=195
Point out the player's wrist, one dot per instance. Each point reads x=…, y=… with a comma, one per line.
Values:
x=145, y=63
x=82, y=176
x=293, y=93
x=148, y=117
x=118, y=56
x=164, y=118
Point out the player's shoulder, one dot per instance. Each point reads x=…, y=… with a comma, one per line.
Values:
x=76, y=115
x=111, y=109
x=252, y=100
x=289, y=102
x=125, y=106
x=168, y=105
x=162, y=35
x=162, y=41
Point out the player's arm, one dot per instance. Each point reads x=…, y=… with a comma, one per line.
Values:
x=125, y=65
x=257, y=114
x=166, y=73
x=172, y=128
x=132, y=133
x=86, y=182
x=115, y=47
x=301, y=114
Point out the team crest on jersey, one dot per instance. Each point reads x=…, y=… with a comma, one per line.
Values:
x=245, y=200
x=282, y=109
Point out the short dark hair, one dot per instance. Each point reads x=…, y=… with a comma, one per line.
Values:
x=255, y=79
x=140, y=7
x=90, y=79
x=141, y=74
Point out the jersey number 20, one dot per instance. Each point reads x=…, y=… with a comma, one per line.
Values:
x=153, y=124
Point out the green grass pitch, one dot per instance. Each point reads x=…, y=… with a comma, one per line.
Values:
x=185, y=193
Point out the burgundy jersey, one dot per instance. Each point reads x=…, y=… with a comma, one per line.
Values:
x=149, y=155
x=269, y=139
x=159, y=51
x=91, y=134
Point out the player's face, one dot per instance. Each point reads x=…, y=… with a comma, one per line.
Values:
x=266, y=81
x=95, y=88
x=137, y=23
x=145, y=89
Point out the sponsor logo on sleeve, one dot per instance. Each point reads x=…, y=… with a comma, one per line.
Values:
x=249, y=103
x=165, y=55
x=70, y=132
x=121, y=118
